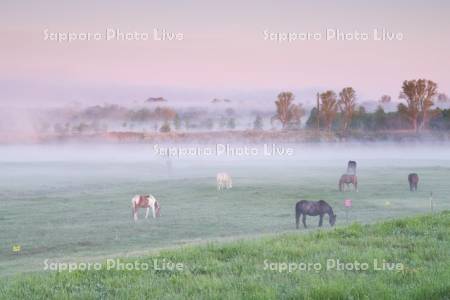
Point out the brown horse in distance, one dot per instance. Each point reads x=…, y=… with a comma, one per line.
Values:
x=348, y=179
x=413, y=180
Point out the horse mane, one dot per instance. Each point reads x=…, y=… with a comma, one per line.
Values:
x=328, y=206
x=331, y=210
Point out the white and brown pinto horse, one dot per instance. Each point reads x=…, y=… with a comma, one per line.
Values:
x=145, y=201
x=224, y=181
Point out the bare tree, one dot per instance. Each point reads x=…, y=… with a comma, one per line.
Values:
x=328, y=108
x=419, y=98
x=347, y=104
x=385, y=99
x=317, y=111
x=288, y=113
x=427, y=90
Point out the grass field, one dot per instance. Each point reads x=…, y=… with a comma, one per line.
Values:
x=76, y=207
x=254, y=269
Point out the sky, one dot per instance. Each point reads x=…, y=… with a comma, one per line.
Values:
x=223, y=52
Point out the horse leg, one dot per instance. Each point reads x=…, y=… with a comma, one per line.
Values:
x=146, y=212
x=153, y=211
x=134, y=212
x=304, y=220
x=320, y=220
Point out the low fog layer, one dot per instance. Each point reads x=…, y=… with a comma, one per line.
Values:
x=381, y=154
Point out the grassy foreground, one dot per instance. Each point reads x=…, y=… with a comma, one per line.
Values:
x=246, y=269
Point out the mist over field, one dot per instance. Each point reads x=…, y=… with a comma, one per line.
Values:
x=383, y=153
x=72, y=201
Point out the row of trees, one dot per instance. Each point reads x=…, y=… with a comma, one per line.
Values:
x=333, y=111
x=419, y=96
x=115, y=112
x=289, y=114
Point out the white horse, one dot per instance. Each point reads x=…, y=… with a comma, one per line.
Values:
x=224, y=181
x=145, y=201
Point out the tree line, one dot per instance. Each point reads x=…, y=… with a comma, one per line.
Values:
x=341, y=112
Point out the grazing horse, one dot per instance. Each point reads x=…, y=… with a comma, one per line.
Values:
x=347, y=179
x=224, y=181
x=313, y=208
x=351, y=167
x=413, y=180
x=145, y=201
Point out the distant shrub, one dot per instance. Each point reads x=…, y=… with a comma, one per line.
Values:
x=258, y=123
x=231, y=123
x=165, y=128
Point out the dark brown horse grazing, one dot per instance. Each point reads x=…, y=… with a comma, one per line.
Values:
x=347, y=179
x=313, y=208
x=413, y=180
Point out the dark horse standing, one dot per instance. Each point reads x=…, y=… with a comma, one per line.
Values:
x=351, y=167
x=413, y=180
x=313, y=208
x=347, y=179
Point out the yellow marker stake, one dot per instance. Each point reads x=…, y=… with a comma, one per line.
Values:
x=16, y=248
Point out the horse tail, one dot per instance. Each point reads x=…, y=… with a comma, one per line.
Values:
x=298, y=212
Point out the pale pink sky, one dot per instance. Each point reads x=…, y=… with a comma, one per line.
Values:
x=223, y=47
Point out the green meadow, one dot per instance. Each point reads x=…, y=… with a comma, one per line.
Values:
x=79, y=210
x=253, y=269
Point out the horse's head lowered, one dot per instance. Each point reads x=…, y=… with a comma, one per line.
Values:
x=332, y=219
